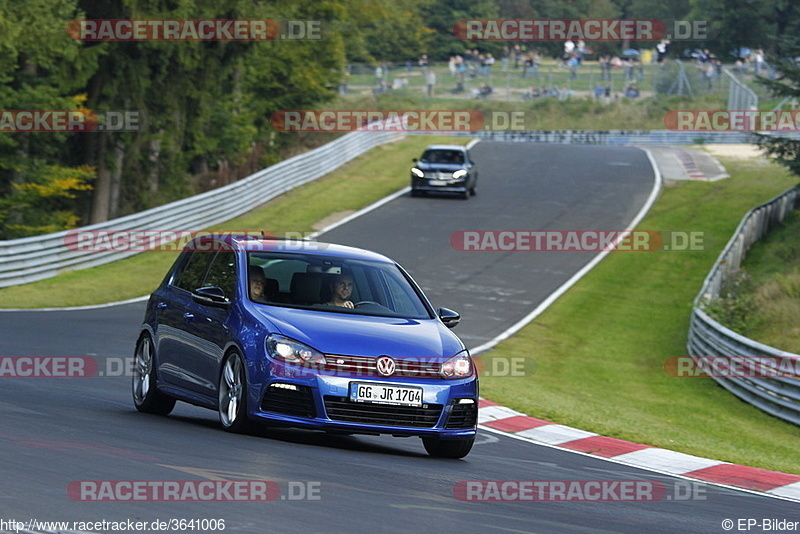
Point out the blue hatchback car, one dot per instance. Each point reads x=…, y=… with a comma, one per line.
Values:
x=305, y=334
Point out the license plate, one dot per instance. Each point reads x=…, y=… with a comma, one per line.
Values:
x=437, y=182
x=385, y=394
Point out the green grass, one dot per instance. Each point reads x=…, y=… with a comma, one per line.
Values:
x=771, y=296
x=359, y=183
x=545, y=114
x=597, y=355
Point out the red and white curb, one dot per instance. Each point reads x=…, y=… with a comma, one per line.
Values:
x=689, y=165
x=499, y=418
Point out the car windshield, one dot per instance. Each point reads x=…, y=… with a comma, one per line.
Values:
x=333, y=284
x=454, y=157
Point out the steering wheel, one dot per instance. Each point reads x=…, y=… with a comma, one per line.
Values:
x=357, y=304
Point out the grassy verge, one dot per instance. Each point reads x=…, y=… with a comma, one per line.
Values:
x=548, y=113
x=770, y=301
x=359, y=183
x=596, y=357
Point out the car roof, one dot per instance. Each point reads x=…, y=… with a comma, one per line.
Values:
x=251, y=243
x=446, y=147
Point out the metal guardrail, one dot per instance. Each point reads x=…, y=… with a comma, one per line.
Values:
x=778, y=395
x=740, y=97
x=36, y=258
x=608, y=137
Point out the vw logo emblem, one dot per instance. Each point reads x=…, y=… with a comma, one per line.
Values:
x=385, y=366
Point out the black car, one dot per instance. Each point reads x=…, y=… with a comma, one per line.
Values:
x=446, y=169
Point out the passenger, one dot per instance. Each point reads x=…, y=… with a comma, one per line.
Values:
x=258, y=284
x=341, y=287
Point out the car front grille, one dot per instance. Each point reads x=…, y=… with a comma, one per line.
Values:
x=463, y=416
x=438, y=175
x=341, y=409
x=298, y=401
x=362, y=366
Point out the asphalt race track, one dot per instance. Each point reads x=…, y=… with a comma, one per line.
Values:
x=56, y=431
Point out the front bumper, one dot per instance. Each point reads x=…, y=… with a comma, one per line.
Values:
x=318, y=401
x=450, y=186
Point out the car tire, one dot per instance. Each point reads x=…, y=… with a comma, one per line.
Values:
x=465, y=195
x=448, y=448
x=144, y=386
x=473, y=191
x=415, y=193
x=232, y=397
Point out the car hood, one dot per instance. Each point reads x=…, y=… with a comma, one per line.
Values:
x=362, y=335
x=443, y=167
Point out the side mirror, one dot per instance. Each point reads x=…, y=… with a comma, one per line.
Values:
x=414, y=160
x=448, y=317
x=211, y=296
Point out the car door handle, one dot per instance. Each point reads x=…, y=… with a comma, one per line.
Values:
x=188, y=316
x=161, y=305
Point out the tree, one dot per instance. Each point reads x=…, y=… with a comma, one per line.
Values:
x=41, y=68
x=786, y=151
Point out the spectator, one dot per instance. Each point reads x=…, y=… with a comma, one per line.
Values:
x=430, y=82
x=423, y=63
x=573, y=63
x=483, y=92
x=569, y=48
x=628, y=64
x=580, y=50
x=487, y=65
x=758, y=61
x=598, y=92
x=662, y=49
x=605, y=68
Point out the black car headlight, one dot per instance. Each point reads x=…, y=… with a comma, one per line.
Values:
x=459, y=366
x=288, y=350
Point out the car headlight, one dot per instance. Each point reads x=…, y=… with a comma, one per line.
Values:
x=418, y=173
x=459, y=366
x=459, y=174
x=288, y=350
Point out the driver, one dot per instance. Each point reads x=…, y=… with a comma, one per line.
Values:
x=341, y=287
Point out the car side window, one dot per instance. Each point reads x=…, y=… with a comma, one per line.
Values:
x=194, y=270
x=222, y=272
